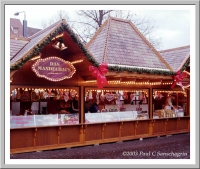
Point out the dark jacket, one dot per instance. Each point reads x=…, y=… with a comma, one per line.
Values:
x=93, y=108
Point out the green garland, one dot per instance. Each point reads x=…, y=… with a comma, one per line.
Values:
x=140, y=70
x=186, y=65
x=65, y=27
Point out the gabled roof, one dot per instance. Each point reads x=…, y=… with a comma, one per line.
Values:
x=16, y=44
x=119, y=42
x=176, y=57
x=44, y=39
x=34, y=40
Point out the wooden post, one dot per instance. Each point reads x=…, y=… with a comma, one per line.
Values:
x=188, y=103
x=151, y=124
x=82, y=96
x=102, y=130
x=136, y=122
x=59, y=128
x=166, y=125
x=34, y=139
x=82, y=133
x=150, y=103
x=120, y=130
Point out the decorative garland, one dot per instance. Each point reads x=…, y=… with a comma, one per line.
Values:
x=65, y=27
x=186, y=65
x=140, y=70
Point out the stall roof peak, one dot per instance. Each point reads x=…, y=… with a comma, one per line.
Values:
x=119, y=42
x=42, y=38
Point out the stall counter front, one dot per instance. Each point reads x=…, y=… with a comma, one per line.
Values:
x=43, y=120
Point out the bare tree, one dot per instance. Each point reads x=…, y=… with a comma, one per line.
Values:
x=86, y=22
x=90, y=21
x=61, y=14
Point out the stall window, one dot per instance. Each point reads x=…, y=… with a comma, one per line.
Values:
x=40, y=106
x=116, y=104
x=169, y=103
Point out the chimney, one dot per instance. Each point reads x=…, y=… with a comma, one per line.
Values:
x=24, y=28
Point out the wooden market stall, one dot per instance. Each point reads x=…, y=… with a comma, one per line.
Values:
x=65, y=94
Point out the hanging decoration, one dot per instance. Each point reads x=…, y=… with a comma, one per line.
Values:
x=97, y=98
x=144, y=99
x=45, y=95
x=72, y=93
x=41, y=94
x=121, y=95
x=125, y=96
x=158, y=96
x=18, y=95
x=14, y=94
x=61, y=94
x=102, y=97
x=99, y=73
x=59, y=44
x=110, y=96
x=178, y=78
x=90, y=95
x=66, y=96
x=25, y=96
x=37, y=91
x=34, y=96
x=118, y=99
x=132, y=97
x=58, y=94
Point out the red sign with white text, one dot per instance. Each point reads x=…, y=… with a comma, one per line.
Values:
x=53, y=69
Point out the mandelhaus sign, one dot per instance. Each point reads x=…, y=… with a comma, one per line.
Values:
x=53, y=69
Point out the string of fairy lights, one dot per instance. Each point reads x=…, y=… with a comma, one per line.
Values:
x=115, y=91
x=171, y=92
x=135, y=91
x=133, y=82
x=41, y=90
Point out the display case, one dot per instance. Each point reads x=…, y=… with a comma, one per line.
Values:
x=127, y=115
x=22, y=121
x=68, y=118
x=110, y=116
x=43, y=120
x=46, y=120
x=115, y=116
x=142, y=115
x=93, y=117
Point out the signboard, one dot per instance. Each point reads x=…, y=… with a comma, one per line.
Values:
x=21, y=121
x=68, y=118
x=53, y=69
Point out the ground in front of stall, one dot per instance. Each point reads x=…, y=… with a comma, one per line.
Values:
x=165, y=147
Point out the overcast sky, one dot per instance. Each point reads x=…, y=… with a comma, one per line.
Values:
x=173, y=22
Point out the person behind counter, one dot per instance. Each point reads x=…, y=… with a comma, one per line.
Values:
x=74, y=105
x=168, y=104
x=94, y=107
x=28, y=112
x=91, y=106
